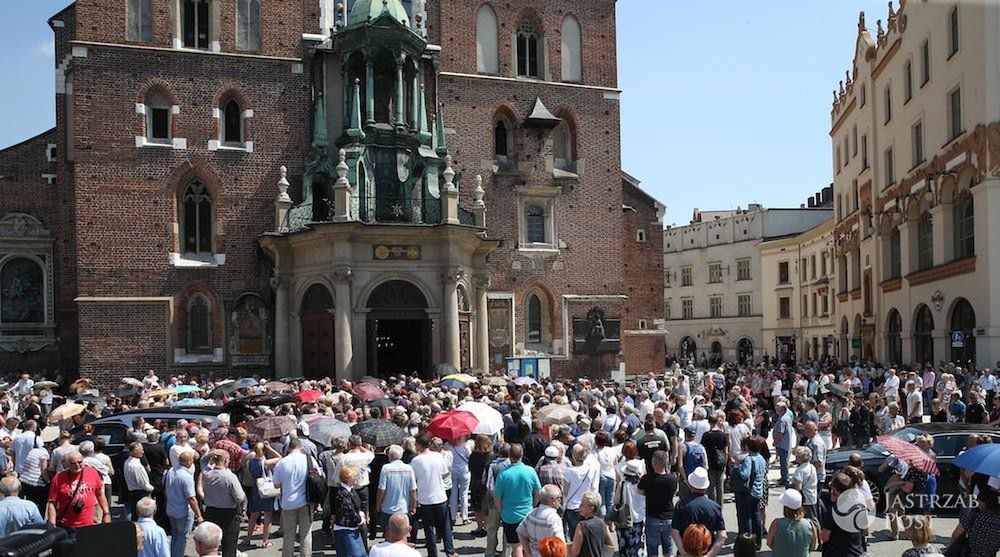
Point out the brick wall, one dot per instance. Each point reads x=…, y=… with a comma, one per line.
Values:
x=643, y=262
x=123, y=339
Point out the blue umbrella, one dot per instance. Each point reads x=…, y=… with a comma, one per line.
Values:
x=246, y=382
x=194, y=402
x=984, y=459
x=451, y=384
x=181, y=389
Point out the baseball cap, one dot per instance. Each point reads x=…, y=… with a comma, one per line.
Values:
x=551, y=452
x=792, y=499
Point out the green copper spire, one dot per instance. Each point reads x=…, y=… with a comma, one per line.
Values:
x=442, y=144
x=365, y=10
x=355, y=130
x=423, y=134
x=319, y=123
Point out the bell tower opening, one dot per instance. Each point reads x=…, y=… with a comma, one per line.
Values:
x=399, y=332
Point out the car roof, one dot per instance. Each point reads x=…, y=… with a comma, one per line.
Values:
x=945, y=427
x=193, y=412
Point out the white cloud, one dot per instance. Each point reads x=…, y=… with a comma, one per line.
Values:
x=46, y=48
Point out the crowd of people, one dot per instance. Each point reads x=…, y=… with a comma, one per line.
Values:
x=572, y=468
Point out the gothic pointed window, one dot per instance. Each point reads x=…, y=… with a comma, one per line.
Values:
x=536, y=224
x=195, y=23
x=199, y=337
x=500, y=147
x=232, y=123
x=527, y=50
x=534, y=319
x=139, y=20
x=196, y=206
x=572, y=66
x=486, y=41
x=248, y=25
x=562, y=147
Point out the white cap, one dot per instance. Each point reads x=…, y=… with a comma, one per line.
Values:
x=792, y=499
x=698, y=479
x=551, y=452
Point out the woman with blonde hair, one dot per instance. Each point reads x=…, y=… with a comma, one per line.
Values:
x=348, y=515
x=920, y=533
x=257, y=465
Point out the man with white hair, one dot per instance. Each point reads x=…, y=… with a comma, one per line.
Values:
x=543, y=521
x=15, y=513
x=397, y=488
x=155, y=544
x=891, y=387
x=207, y=539
x=396, y=533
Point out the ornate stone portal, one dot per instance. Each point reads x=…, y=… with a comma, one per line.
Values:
x=27, y=312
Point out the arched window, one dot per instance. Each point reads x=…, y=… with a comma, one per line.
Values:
x=965, y=227
x=232, y=123
x=963, y=318
x=923, y=341
x=196, y=214
x=527, y=50
x=139, y=20
x=500, y=146
x=925, y=243
x=893, y=342
x=199, y=338
x=572, y=66
x=536, y=224
x=534, y=319
x=486, y=41
x=158, y=109
x=562, y=147
x=895, y=255
x=22, y=293
x=248, y=25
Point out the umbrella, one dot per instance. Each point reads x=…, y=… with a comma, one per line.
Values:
x=440, y=370
x=453, y=424
x=245, y=382
x=452, y=384
x=368, y=391
x=67, y=411
x=837, y=389
x=384, y=403
x=258, y=400
x=158, y=393
x=909, y=452
x=490, y=420
x=131, y=381
x=369, y=379
x=323, y=429
x=524, y=381
x=44, y=385
x=126, y=392
x=277, y=386
x=311, y=395
x=88, y=398
x=183, y=389
x=557, y=414
x=225, y=388
x=194, y=402
x=496, y=381
x=379, y=433
x=463, y=377
x=79, y=384
x=270, y=427
x=984, y=459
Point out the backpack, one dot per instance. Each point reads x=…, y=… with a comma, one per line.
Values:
x=315, y=483
x=694, y=457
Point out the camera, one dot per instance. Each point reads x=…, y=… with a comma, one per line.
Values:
x=78, y=506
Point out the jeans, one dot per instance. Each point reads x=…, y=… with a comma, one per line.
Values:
x=300, y=520
x=715, y=486
x=180, y=527
x=570, y=520
x=436, y=522
x=607, y=490
x=783, y=464
x=348, y=543
x=657, y=536
x=748, y=514
x=460, y=496
x=229, y=521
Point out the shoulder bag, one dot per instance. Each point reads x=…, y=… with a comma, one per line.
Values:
x=315, y=483
x=265, y=483
x=621, y=514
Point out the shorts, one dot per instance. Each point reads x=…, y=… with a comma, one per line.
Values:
x=510, y=532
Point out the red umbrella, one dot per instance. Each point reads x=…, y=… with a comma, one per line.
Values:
x=453, y=424
x=909, y=452
x=368, y=391
x=308, y=396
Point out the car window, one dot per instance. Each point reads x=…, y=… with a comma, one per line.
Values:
x=950, y=445
x=113, y=434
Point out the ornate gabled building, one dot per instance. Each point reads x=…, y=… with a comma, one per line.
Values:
x=916, y=149
x=317, y=189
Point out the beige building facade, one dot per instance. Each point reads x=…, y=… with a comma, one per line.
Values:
x=915, y=137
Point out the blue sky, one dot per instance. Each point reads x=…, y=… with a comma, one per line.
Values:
x=724, y=104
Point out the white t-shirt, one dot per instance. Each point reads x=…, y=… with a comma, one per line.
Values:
x=700, y=428
x=806, y=475
x=914, y=404
x=776, y=387
x=430, y=468
x=892, y=386
x=362, y=460
x=290, y=475
x=579, y=480
x=386, y=549
x=608, y=456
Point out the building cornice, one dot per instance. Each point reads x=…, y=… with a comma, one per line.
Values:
x=93, y=44
x=948, y=270
x=461, y=75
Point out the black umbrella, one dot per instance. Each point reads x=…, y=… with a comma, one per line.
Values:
x=266, y=399
x=384, y=403
x=87, y=398
x=440, y=370
x=224, y=389
x=379, y=433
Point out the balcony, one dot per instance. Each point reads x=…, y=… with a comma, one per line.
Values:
x=399, y=210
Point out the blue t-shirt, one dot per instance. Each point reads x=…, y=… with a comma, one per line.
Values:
x=697, y=509
x=178, y=485
x=957, y=410
x=516, y=487
x=784, y=427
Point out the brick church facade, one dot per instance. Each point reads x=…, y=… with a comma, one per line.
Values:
x=303, y=188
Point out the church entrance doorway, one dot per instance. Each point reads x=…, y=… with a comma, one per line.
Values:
x=399, y=332
x=316, y=320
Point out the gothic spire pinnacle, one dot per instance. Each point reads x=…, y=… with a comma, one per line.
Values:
x=319, y=123
x=423, y=133
x=442, y=143
x=355, y=130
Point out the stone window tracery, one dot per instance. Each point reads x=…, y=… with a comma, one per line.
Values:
x=527, y=50
x=195, y=24
x=196, y=220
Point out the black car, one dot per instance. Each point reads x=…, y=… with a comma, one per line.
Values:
x=949, y=442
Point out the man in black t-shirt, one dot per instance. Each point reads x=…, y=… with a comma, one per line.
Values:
x=698, y=509
x=659, y=487
x=716, y=444
x=650, y=443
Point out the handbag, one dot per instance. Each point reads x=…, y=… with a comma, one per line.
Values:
x=621, y=514
x=265, y=485
x=315, y=483
x=960, y=547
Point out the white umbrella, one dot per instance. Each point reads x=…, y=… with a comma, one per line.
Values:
x=490, y=420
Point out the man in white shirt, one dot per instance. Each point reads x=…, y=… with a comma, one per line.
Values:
x=22, y=444
x=290, y=475
x=396, y=534
x=543, y=521
x=914, y=404
x=892, y=386
x=136, y=478
x=430, y=468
